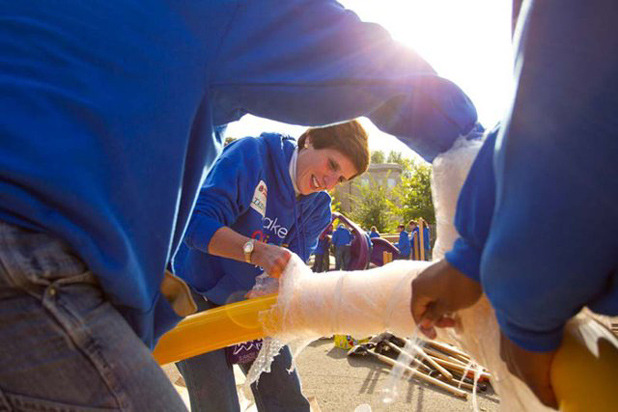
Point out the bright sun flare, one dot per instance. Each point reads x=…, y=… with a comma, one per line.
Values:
x=466, y=41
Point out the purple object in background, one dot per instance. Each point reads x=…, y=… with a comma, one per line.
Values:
x=360, y=249
x=380, y=246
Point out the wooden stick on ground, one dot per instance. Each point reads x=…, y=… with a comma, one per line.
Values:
x=425, y=369
x=430, y=360
x=440, y=355
x=460, y=368
x=445, y=347
x=423, y=376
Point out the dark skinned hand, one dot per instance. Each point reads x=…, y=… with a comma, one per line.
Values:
x=531, y=367
x=439, y=291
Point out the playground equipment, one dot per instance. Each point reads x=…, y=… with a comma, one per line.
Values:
x=360, y=249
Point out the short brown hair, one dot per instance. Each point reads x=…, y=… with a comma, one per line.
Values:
x=349, y=139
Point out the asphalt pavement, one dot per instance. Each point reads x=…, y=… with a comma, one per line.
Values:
x=334, y=382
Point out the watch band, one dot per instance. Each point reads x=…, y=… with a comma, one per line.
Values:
x=248, y=249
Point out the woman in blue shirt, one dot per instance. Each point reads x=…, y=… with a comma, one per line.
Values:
x=264, y=197
x=403, y=245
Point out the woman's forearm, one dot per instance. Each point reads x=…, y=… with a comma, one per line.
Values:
x=228, y=243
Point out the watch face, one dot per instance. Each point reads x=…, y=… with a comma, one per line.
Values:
x=248, y=248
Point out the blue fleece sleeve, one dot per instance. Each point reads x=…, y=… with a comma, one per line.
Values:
x=226, y=193
x=475, y=208
x=553, y=243
x=314, y=220
x=312, y=62
x=404, y=243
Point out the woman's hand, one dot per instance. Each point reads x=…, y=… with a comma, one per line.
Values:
x=229, y=244
x=273, y=259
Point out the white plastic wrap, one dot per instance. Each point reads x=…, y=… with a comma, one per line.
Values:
x=360, y=303
x=448, y=175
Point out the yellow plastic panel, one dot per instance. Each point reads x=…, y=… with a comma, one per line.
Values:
x=585, y=370
x=213, y=329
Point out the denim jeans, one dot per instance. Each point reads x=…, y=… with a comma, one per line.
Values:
x=63, y=346
x=212, y=387
x=342, y=257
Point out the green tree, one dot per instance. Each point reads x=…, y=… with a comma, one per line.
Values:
x=372, y=206
x=377, y=156
x=407, y=164
x=394, y=157
x=335, y=206
x=414, y=195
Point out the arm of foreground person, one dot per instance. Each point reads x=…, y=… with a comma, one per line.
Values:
x=552, y=245
x=533, y=368
x=296, y=70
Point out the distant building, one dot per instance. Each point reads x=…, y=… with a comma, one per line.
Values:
x=384, y=174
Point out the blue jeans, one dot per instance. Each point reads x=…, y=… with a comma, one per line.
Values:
x=212, y=387
x=342, y=257
x=63, y=346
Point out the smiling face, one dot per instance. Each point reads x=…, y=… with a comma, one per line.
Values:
x=321, y=169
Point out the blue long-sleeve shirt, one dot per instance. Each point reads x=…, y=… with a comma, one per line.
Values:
x=342, y=237
x=404, y=245
x=249, y=189
x=108, y=115
x=545, y=244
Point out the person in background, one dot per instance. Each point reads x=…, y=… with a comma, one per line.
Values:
x=426, y=238
x=403, y=244
x=374, y=232
x=342, y=241
x=327, y=252
x=321, y=249
x=132, y=101
x=559, y=139
x=279, y=203
x=414, y=229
